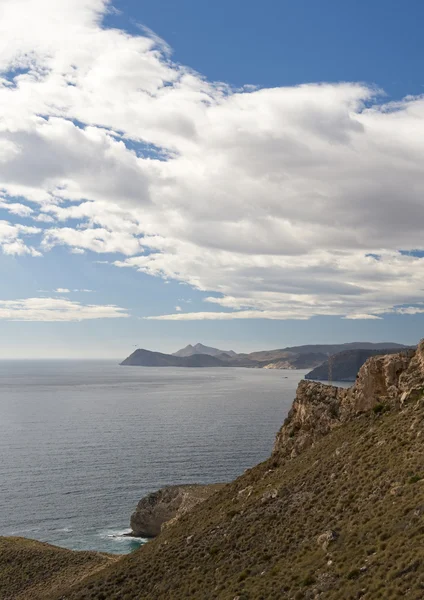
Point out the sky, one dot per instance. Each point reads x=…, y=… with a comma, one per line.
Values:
x=246, y=175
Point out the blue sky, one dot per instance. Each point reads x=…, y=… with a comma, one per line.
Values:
x=272, y=43
x=160, y=191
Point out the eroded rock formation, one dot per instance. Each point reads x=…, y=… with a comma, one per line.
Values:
x=383, y=382
x=166, y=505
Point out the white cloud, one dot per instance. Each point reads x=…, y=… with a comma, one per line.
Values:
x=178, y=308
x=226, y=316
x=61, y=290
x=56, y=309
x=96, y=239
x=362, y=317
x=280, y=203
x=11, y=241
x=15, y=208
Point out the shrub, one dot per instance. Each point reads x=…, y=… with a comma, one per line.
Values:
x=353, y=574
x=244, y=575
x=309, y=580
x=213, y=551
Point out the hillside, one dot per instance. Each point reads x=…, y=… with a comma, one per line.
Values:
x=337, y=512
x=31, y=570
x=346, y=364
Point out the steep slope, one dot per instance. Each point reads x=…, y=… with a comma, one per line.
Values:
x=31, y=570
x=201, y=349
x=336, y=513
x=346, y=365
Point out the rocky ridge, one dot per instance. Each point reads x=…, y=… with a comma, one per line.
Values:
x=383, y=382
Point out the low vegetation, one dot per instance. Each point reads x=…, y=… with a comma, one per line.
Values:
x=31, y=570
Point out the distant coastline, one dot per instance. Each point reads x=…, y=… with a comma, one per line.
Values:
x=298, y=357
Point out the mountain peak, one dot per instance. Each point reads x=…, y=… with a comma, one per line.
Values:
x=202, y=349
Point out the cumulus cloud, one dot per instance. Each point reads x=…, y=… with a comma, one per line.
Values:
x=56, y=309
x=279, y=203
x=15, y=208
x=11, y=239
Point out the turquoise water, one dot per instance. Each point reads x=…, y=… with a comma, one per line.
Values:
x=82, y=442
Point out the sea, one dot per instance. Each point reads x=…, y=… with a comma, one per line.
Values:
x=82, y=441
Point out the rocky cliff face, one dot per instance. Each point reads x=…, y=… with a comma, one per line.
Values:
x=166, y=506
x=383, y=382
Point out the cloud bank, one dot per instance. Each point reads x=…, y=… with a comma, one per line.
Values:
x=279, y=203
x=56, y=309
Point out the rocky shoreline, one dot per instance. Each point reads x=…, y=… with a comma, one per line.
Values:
x=165, y=506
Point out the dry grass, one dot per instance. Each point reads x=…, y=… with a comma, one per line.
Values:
x=30, y=570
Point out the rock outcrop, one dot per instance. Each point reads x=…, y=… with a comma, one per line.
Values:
x=383, y=382
x=167, y=505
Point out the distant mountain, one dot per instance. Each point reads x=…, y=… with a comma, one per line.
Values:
x=334, y=348
x=321, y=349
x=298, y=357
x=346, y=364
x=201, y=349
x=146, y=358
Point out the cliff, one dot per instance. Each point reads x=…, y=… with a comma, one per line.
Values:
x=167, y=505
x=346, y=365
x=337, y=511
x=383, y=382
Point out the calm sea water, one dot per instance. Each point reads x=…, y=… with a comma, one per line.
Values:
x=82, y=442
